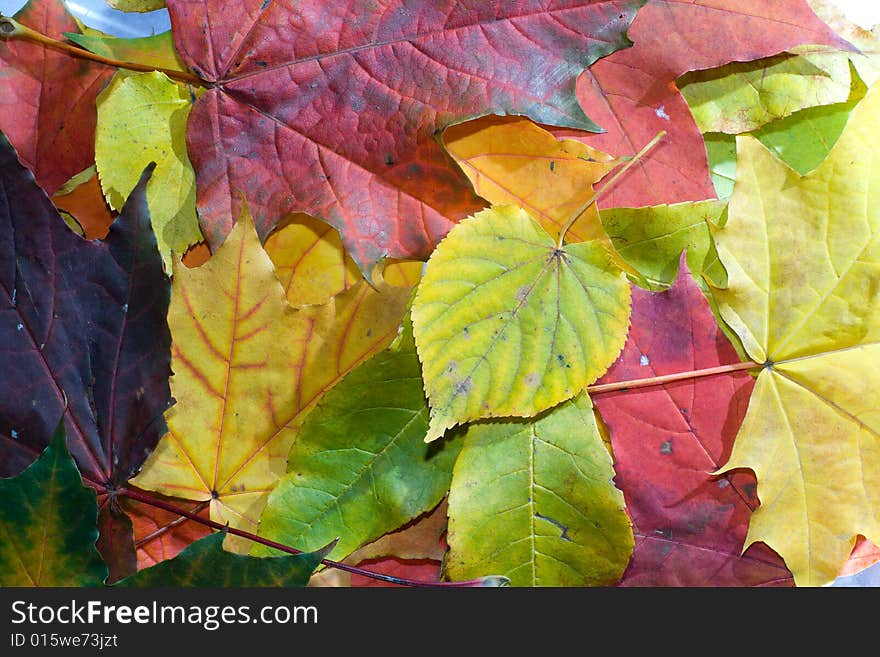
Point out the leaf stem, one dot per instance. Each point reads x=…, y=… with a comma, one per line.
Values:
x=12, y=29
x=152, y=536
x=595, y=197
x=165, y=506
x=670, y=378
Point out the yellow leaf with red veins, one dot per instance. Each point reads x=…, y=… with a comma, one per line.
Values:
x=310, y=260
x=247, y=367
x=512, y=161
x=313, y=266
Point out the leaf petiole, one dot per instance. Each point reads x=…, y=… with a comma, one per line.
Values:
x=12, y=29
x=595, y=197
x=146, y=499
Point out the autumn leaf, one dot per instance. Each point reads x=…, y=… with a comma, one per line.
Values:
x=503, y=317
x=205, y=563
x=803, y=277
x=802, y=140
x=247, y=367
x=141, y=6
x=156, y=51
x=689, y=524
x=632, y=92
x=84, y=333
x=84, y=204
x=115, y=539
x=534, y=501
x=48, y=523
x=512, y=161
x=142, y=119
x=360, y=467
x=652, y=239
x=47, y=98
x=310, y=261
x=744, y=96
x=335, y=117
x=160, y=534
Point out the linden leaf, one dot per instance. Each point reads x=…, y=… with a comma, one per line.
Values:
x=511, y=160
x=48, y=521
x=508, y=324
x=206, y=564
x=141, y=119
x=803, y=260
x=247, y=368
x=360, y=466
x=743, y=96
x=534, y=501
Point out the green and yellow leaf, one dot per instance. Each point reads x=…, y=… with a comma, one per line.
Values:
x=360, y=467
x=534, y=501
x=157, y=50
x=49, y=524
x=651, y=239
x=507, y=324
x=141, y=119
x=247, y=368
x=744, y=96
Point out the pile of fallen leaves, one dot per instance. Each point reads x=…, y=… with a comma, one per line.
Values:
x=579, y=293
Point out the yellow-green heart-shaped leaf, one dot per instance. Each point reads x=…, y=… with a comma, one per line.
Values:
x=508, y=324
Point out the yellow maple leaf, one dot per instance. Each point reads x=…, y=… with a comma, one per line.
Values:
x=247, y=367
x=313, y=266
x=803, y=262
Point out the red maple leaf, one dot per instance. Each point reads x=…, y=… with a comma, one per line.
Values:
x=330, y=108
x=689, y=525
x=632, y=93
x=47, y=98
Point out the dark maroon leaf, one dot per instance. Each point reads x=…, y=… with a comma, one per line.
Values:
x=83, y=332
